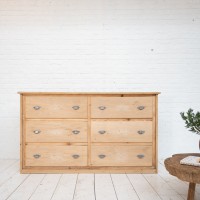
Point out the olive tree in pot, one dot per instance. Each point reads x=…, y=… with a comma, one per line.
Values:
x=192, y=121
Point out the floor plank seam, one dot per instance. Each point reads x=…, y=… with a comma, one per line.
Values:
x=56, y=186
x=17, y=187
x=162, y=185
x=170, y=186
x=114, y=187
x=75, y=186
x=37, y=187
x=132, y=186
x=94, y=188
x=10, y=176
x=152, y=187
x=6, y=167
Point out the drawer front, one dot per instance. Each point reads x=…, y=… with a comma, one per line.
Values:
x=56, y=107
x=55, y=155
x=121, y=131
x=56, y=131
x=121, y=107
x=121, y=155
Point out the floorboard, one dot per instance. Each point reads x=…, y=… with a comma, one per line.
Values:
x=144, y=189
x=161, y=186
x=27, y=188
x=123, y=187
x=9, y=172
x=65, y=187
x=11, y=185
x=104, y=188
x=4, y=164
x=46, y=188
x=85, y=187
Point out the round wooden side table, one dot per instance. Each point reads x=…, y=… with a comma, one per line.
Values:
x=187, y=173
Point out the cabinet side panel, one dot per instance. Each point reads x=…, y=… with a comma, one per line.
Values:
x=21, y=132
x=154, y=131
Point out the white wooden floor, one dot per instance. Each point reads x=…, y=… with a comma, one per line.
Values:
x=16, y=186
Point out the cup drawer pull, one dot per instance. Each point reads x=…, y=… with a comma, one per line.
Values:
x=102, y=131
x=36, y=131
x=102, y=156
x=75, y=107
x=102, y=107
x=140, y=107
x=37, y=156
x=75, y=156
x=141, y=132
x=36, y=107
x=75, y=132
x=140, y=156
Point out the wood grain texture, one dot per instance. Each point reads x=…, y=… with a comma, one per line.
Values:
x=56, y=106
x=121, y=131
x=184, y=172
x=89, y=170
x=121, y=155
x=55, y=155
x=56, y=131
x=121, y=107
x=191, y=191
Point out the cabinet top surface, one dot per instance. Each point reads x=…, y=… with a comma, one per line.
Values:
x=88, y=93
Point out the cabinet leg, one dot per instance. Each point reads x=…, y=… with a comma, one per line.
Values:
x=191, y=191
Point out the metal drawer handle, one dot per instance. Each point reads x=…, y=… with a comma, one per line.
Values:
x=37, y=156
x=102, y=107
x=75, y=132
x=102, y=156
x=36, y=131
x=140, y=156
x=141, y=132
x=36, y=107
x=102, y=131
x=75, y=156
x=140, y=107
x=75, y=107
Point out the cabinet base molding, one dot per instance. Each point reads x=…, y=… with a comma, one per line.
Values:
x=105, y=170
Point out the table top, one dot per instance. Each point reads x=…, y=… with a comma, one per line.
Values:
x=184, y=172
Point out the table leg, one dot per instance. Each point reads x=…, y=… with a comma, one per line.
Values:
x=191, y=191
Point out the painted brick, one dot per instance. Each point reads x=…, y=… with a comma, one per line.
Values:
x=102, y=45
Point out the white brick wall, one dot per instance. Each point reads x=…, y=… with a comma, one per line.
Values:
x=102, y=45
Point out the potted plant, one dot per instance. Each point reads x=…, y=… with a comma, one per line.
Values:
x=192, y=121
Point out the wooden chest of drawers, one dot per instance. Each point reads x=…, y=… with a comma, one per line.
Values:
x=88, y=132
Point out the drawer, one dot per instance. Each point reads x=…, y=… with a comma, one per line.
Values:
x=121, y=107
x=55, y=155
x=123, y=155
x=56, y=131
x=121, y=131
x=42, y=106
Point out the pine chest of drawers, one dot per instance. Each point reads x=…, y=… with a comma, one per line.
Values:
x=88, y=132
